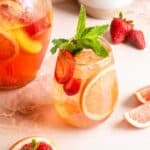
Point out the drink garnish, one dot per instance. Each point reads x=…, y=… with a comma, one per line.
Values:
x=85, y=37
x=64, y=69
x=72, y=87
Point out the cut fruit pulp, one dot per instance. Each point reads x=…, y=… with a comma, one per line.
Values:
x=140, y=116
x=143, y=95
x=99, y=96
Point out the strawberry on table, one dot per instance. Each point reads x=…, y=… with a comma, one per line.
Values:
x=136, y=38
x=119, y=29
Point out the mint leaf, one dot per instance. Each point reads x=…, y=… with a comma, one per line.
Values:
x=100, y=50
x=94, y=32
x=81, y=22
x=68, y=45
x=71, y=46
x=84, y=38
x=57, y=43
x=95, y=45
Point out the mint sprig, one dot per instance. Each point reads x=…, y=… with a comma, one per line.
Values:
x=57, y=43
x=81, y=22
x=86, y=37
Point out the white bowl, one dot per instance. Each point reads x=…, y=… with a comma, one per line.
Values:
x=105, y=8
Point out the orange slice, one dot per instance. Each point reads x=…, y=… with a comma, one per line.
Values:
x=143, y=95
x=26, y=143
x=100, y=95
x=8, y=48
x=140, y=116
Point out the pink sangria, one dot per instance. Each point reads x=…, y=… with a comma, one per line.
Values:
x=85, y=82
x=25, y=27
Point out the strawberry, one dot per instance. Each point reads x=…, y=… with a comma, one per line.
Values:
x=44, y=146
x=136, y=37
x=119, y=29
x=72, y=86
x=41, y=146
x=27, y=146
x=64, y=67
x=34, y=27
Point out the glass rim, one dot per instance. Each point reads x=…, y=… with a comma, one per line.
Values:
x=100, y=61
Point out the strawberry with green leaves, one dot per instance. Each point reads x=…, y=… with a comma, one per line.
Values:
x=119, y=29
x=36, y=146
x=85, y=38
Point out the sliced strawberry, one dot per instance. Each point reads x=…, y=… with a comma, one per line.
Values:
x=34, y=27
x=27, y=146
x=41, y=146
x=64, y=67
x=72, y=86
x=44, y=146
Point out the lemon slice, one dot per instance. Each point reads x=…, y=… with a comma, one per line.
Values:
x=19, y=145
x=100, y=95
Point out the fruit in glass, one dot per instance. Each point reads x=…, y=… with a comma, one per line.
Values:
x=25, y=27
x=85, y=86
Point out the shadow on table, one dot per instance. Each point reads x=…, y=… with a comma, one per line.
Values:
x=43, y=117
x=130, y=103
x=123, y=125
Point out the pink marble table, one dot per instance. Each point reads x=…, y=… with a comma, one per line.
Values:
x=29, y=111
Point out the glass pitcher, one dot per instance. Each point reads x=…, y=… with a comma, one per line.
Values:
x=25, y=27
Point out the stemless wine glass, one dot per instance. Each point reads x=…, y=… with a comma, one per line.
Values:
x=91, y=94
x=25, y=27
